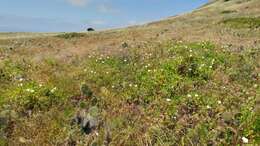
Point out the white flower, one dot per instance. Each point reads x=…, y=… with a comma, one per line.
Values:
x=20, y=85
x=21, y=79
x=210, y=67
x=125, y=60
x=245, y=140
x=189, y=96
x=196, y=95
x=190, y=55
x=250, y=98
x=40, y=85
x=255, y=85
x=208, y=107
x=136, y=85
x=219, y=102
x=22, y=140
x=130, y=85
x=113, y=86
x=168, y=99
x=149, y=70
x=53, y=89
x=30, y=90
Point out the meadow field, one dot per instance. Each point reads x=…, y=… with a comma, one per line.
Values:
x=192, y=79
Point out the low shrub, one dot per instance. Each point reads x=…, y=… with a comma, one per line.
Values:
x=71, y=35
x=243, y=22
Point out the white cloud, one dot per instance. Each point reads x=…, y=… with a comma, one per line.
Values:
x=105, y=8
x=79, y=3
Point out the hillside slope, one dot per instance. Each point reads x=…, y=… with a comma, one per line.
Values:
x=203, y=24
x=192, y=79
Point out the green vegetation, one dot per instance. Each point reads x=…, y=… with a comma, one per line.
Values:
x=243, y=22
x=228, y=11
x=138, y=85
x=163, y=94
x=71, y=35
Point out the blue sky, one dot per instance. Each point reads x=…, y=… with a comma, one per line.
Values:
x=77, y=15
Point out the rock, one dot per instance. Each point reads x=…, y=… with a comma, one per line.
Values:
x=88, y=124
x=87, y=121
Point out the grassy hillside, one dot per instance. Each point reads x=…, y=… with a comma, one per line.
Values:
x=192, y=79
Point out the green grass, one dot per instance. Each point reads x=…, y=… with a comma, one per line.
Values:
x=228, y=11
x=71, y=35
x=164, y=94
x=243, y=22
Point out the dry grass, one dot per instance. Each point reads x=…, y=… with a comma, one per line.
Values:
x=185, y=80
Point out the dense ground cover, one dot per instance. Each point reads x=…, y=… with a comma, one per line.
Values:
x=243, y=22
x=166, y=93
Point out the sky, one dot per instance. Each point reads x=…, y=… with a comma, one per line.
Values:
x=78, y=15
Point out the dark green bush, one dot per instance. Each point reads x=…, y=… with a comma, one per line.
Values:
x=71, y=35
x=243, y=22
x=85, y=90
x=228, y=11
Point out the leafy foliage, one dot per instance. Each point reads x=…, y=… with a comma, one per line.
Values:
x=243, y=22
x=167, y=94
x=71, y=35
